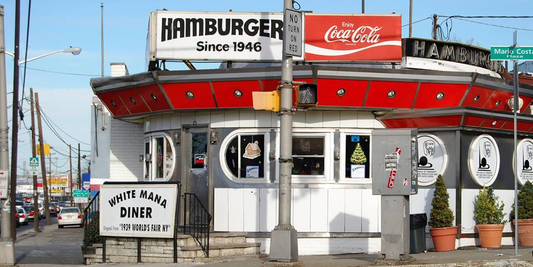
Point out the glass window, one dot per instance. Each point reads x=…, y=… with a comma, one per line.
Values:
x=308, y=155
x=245, y=155
x=357, y=156
x=199, y=150
x=158, y=157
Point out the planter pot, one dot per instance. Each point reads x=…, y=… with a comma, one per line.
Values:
x=444, y=238
x=490, y=235
x=525, y=232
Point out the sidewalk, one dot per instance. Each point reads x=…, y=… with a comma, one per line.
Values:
x=54, y=247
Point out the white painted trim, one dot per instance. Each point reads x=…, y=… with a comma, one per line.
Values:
x=151, y=139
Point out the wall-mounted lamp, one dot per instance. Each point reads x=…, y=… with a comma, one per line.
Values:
x=337, y=154
x=148, y=157
x=213, y=137
x=141, y=158
x=177, y=138
x=272, y=155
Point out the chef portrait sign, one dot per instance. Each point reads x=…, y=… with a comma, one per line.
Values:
x=525, y=161
x=484, y=160
x=353, y=37
x=138, y=209
x=432, y=158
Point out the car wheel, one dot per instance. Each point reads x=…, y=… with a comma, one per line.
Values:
x=81, y=225
x=60, y=226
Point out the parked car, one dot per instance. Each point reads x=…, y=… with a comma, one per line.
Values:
x=30, y=212
x=17, y=219
x=70, y=216
x=23, y=216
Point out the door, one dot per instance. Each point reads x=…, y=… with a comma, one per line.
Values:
x=196, y=167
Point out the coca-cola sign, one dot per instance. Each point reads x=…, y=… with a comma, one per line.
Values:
x=353, y=38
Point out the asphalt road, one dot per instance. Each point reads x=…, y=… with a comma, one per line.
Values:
x=50, y=246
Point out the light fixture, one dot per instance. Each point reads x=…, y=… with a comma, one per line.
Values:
x=213, y=137
x=113, y=103
x=237, y=93
x=177, y=138
x=494, y=123
x=391, y=94
x=272, y=155
x=440, y=96
x=498, y=102
x=133, y=100
x=341, y=92
x=141, y=158
x=189, y=95
x=337, y=154
x=154, y=97
x=476, y=98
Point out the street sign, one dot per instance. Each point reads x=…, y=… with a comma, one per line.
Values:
x=511, y=53
x=4, y=183
x=34, y=166
x=292, y=33
x=80, y=196
x=86, y=185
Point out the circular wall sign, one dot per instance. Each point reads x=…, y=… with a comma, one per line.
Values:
x=484, y=160
x=525, y=161
x=432, y=158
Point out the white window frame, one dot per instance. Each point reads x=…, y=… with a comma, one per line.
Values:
x=329, y=145
x=342, y=169
x=151, y=139
x=266, y=148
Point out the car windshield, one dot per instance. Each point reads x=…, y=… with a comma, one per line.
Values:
x=19, y=210
x=70, y=210
x=28, y=208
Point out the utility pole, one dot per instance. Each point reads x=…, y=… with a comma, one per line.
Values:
x=43, y=165
x=363, y=6
x=79, y=171
x=284, y=239
x=34, y=154
x=435, y=21
x=70, y=181
x=102, y=34
x=410, y=18
x=15, y=127
x=7, y=245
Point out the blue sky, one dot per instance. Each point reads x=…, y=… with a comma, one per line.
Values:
x=62, y=80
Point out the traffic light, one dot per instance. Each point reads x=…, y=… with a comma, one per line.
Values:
x=306, y=95
x=266, y=100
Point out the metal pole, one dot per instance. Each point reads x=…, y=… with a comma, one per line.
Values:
x=410, y=18
x=34, y=154
x=15, y=118
x=362, y=6
x=70, y=182
x=43, y=163
x=102, y=35
x=284, y=241
x=515, y=110
x=435, y=18
x=7, y=246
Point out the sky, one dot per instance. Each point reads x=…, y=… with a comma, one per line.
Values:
x=63, y=80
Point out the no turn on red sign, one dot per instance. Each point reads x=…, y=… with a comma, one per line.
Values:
x=292, y=33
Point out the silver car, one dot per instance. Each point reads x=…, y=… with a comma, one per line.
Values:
x=70, y=216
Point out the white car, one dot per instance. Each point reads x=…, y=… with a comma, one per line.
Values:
x=70, y=216
x=23, y=216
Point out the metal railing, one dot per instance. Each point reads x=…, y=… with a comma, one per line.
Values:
x=196, y=221
x=91, y=222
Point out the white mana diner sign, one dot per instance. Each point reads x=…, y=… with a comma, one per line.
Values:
x=138, y=210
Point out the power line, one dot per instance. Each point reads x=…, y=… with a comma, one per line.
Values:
x=48, y=118
x=487, y=17
x=495, y=25
x=64, y=73
x=416, y=21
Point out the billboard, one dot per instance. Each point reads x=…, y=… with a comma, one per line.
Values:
x=236, y=36
x=215, y=35
x=138, y=210
x=353, y=37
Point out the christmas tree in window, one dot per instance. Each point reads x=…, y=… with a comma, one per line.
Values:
x=358, y=159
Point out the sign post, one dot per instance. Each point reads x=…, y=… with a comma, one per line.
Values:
x=34, y=166
x=80, y=196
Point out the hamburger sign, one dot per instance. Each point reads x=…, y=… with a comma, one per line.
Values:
x=239, y=36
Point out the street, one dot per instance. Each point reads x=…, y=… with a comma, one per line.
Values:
x=51, y=246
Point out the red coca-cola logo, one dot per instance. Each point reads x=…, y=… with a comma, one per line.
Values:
x=353, y=37
x=363, y=34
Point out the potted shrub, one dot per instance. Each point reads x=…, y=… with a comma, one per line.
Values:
x=525, y=215
x=441, y=219
x=488, y=214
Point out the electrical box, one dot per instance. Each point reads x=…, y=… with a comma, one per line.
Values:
x=266, y=100
x=394, y=162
